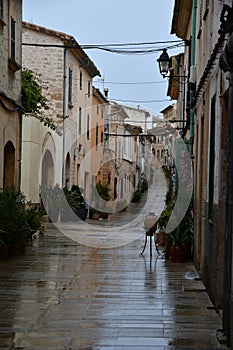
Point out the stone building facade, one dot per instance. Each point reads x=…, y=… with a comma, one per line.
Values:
x=65, y=73
x=96, y=134
x=10, y=93
x=198, y=24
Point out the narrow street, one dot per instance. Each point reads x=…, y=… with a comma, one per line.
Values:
x=65, y=295
x=62, y=295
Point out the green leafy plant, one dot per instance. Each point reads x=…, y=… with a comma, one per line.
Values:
x=76, y=204
x=32, y=97
x=103, y=191
x=144, y=185
x=180, y=237
x=75, y=197
x=137, y=195
x=33, y=100
x=34, y=217
x=13, y=220
x=165, y=216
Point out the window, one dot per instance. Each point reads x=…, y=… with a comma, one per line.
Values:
x=102, y=136
x=89, y=89
x=88, y=127
x=96, y=135
x=70, y=87
x=80, y=121
x=81, y=80
x=1, y=9
x=12, y=56
x=211, y=159
x=97, y=109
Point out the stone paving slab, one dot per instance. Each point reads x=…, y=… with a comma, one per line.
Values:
x=63, y=295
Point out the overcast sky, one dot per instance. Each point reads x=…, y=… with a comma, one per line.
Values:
x=106, y=22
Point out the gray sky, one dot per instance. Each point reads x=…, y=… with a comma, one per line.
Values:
x=106, y=22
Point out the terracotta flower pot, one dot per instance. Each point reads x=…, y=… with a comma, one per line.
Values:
x=177, y=253
x=95, y=216
x=161, y=238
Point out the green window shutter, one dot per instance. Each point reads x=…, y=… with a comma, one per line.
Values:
x=70, y=87
x=81, y=80
x=88, y=126
x=80, y=121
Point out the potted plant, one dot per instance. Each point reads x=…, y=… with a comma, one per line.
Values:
x=161, y=235
x=137, y=195
x=13, y=221
x=179, y=240
x=3, y=244
x=34, y=219
x=76, y=205
x=179, y=246
x=94, y=214
x=103, y=191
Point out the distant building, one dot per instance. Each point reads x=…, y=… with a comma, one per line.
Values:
x=96, y=132
x=137, y=116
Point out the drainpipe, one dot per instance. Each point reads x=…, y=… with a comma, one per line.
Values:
x=64, y=118
x=20, y=150
x=194, y=16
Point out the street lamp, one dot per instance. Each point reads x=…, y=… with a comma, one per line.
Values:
x=165, y=65
x=164, y=62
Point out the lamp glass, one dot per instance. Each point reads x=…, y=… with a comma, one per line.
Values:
x=164, y=62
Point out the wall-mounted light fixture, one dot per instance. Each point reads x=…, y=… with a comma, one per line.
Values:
x=165, y=65
x=164, y=62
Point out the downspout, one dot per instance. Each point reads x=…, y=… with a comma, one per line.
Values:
x=64, y=118
x=192, y=93
x=20, y=150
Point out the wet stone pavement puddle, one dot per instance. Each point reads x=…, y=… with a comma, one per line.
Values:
x=62, y=295
x=65, y=295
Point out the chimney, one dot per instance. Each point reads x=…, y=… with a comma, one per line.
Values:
x=106, y=92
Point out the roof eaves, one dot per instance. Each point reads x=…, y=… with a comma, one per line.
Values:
x=181, y=17
x=68, y=40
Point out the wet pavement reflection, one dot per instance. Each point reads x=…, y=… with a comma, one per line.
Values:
x=63, y=295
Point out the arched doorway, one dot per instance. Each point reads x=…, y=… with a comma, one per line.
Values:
x=9, y=165
x=47, y=176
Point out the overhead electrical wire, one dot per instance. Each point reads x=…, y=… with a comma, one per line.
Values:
x=127, y=49
x=141, y=101
x=134, y=44
x=129, y=83
x=116, y=48
x=143, y=51
x=102, y=81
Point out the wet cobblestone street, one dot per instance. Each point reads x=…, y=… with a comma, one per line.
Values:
x=63, y=295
